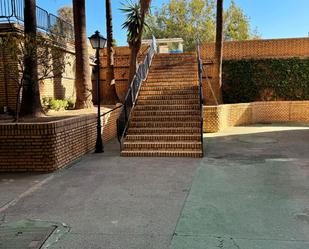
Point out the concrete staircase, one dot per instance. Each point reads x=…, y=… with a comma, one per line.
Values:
x=166, y=118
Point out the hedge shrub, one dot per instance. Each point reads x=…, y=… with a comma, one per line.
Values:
x=265, y=79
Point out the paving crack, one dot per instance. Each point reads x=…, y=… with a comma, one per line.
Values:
x=235, y=243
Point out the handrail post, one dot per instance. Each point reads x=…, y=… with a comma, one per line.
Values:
x=200, y=78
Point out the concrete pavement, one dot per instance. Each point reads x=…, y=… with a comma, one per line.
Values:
x=108, y=201
x=249, y=192
x=252, y=192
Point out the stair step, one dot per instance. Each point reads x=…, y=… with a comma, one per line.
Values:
x=166, y=113
x=169, y=97
x=163, y=153
x=170, y=87
x=168, y=102
x=171, y=82
x=164, y=130
x=168, y=137
x=185, y=80
x=162, y=68
x=168, y=92
x=133, y=145
x=170, y=69
x=166, y=107
x=165, y=118
x=153, y=124
x=175, y=60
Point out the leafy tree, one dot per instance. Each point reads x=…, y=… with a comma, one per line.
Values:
x=237, y=25
x=82, y=73
x=192, y=19
x=66, y=14
x=50, y=58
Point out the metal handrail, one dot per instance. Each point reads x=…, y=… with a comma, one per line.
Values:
x=200, y=89
x=133, y=91
x=114, y=109
x=14, y=9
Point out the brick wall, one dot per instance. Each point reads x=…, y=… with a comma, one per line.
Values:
x=221, y=117
x=8, y=80
x=58, y=87
x=253, y=49
x=272, y=48
x=46, y=147
x=121, y=67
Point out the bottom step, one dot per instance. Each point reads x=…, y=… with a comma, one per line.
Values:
x=156, y=153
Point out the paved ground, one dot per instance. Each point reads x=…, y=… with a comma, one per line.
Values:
x=249, y=192
x=110, y=202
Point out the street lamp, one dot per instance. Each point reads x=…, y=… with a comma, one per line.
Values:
x=98, y=42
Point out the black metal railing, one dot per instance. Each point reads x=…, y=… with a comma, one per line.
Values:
x=133, y=91
x=110, y=111
x=13, y=10
x=200, y=89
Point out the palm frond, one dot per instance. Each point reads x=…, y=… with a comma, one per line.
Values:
x=133, y=23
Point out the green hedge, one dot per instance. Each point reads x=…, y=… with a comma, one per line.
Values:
x=265, y=79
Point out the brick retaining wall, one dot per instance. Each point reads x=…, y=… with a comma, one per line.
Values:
x=218, y=118
x=45, y=147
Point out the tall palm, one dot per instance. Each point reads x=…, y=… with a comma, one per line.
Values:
x=145, y=5
x=219, y=47
x=82, y=72
x=31, y=104
x=109, y=91
x=135, y=22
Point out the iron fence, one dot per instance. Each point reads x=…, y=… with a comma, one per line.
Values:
x=13, y=10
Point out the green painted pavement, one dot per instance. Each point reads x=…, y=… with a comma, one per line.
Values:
x=249, y=196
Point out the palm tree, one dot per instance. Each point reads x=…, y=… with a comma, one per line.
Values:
x=31, y=103
x=135, y=22
x=82, y=73
x=219, y=47
x=109, y=90
x=145, y=5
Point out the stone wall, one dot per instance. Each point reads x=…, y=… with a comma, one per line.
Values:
x=221, y=117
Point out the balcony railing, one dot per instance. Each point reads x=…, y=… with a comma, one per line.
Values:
x=13, y=11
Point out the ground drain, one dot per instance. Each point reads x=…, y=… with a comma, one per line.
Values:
x=30, y=234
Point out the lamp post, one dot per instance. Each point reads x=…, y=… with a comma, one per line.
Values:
x=98, y=42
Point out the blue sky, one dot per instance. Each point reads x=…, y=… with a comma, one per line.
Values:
x=274, y=18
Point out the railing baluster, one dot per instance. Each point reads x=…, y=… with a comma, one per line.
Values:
x=14, y=9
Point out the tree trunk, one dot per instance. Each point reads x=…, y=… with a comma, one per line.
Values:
x=31, y=103
x=110, y=89
x=219, y=49
x=82, y=73
x=135, y=47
